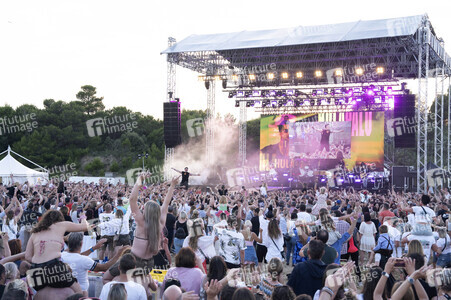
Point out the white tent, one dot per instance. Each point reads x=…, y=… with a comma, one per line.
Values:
x=10, y=166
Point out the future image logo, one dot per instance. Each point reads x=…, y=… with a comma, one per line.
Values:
x=110, y=125
x=195, y=127
x=15, y=124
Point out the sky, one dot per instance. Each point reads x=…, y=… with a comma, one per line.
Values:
x=49, y=49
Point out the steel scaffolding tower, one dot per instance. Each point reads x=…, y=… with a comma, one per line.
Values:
x=422, y=107
x=171, y=81
x=438, y=116
x=210, y=122
x=449, y=123
x=242, y=133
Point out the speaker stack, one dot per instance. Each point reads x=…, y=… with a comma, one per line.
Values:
x=172, y=124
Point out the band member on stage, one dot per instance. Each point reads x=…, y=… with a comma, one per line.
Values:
x=325, y=136
x=279, y=150
x=185, y=176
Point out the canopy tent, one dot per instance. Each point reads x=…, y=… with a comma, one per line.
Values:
x=20, y=173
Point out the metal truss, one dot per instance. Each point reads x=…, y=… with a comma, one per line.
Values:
x=171, y=81
x=168, y=161
x=210, y=126
x=424, y=35
x=438, y=116
x=242, y=134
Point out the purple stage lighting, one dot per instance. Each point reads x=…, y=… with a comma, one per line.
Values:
x=389, y=91
x=341, y=180
x=377, y=100
x=275, y=179
x=349, y=92
x=290, y=92
x=272, y=93
x=323, y=179
x=370, y=92
x=256, y=93
x=274, y=103
x=240, y=94
x=290, y=179
x=351, y=175
x=306, y=102
x=285, y=174
x=358, y=180
x=358, y=99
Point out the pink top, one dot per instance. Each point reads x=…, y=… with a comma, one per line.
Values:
x=190, y=278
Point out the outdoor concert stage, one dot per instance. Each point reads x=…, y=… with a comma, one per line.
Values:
x=329, y=95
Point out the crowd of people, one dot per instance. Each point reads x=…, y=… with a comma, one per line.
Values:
x=217, y=244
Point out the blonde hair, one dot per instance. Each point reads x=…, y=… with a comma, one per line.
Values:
x=183, y=215
x=152, y=215
x=223, y=200
x=117, y=292
x=415, y=247
x=247, y=228
x=442, y=232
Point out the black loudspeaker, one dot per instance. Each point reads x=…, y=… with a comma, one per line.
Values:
x=172, y=124
x=404, y=125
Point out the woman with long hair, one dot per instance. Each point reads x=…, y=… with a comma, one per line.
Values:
x=201, y=244
x=181, y=231
x=321, y=202
x=250, y=255
x=149, y=227
x=274, y=242
x=10, y=221
x=44, y=250
x=367, y=232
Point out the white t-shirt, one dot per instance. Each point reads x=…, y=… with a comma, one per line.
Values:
x=80, y=266
x=263, y=225
x=441, y=244
x=231, y=243
x=106, y=217
x=274, y=248
x=426, y=241
x=206, y=243
x=134, y=290
x=304, y=216
x=423, y=214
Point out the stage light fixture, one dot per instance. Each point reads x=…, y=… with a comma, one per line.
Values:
x=207, y=84
x=358, y=99
x=359, y=71
x=274, y=103
x=380, y=70
x=279, y=94
x=306, y=102
x=257, y=103
x=301, y=102
x=323, y=102
x=224, y=83
x=339, y=72
x=318, y=73
x=377, y=100
x=247, y=94
x=237, y=103
x=248, y=103
x=231, y=94
x=290, y=92
x=312, y=102
x=240, y=94
x=320, y=92
x=314, y=92
x=272, y=93
x=256, y=93
x=357, y=89
x=252, y=77
x=270, y=76
x=370, y=92
x=328, y=101
x=299, y=74
x=319, y=102
x=297, y=93
x=326, y=91
x=337, y=102
x=290, y=103
x=280, y=103
x=285, y=75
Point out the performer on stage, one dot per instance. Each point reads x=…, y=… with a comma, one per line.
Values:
x=325, y=136
x=185, y=176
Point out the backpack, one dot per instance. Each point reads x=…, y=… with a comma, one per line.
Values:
x=180, y=233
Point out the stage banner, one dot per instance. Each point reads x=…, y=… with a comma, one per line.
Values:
x=321, y=141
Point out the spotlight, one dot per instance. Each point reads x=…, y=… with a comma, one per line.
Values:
x=272, y=93
x=380, y=70
x=263, y=93
x=280, y=103
x=318, y=73
x=274, y=103
x=358, y=99
x=337, y=102
x=279, y=94
x=207, y=84
x=328, y=101
x=248, y=103
x=237, y=103
x=257, y=103
x=224, y=83
x=240, y=94
x=306, y=102
x=359, y=71
x=314, y=92
x=256, y=93
x=270, y=76
x=290, y=92
x=297, y=93
x=231, y=94
x=326, y=91
x=251, y=77
x=285, y=75
x=370, y=92
x=312, y=102
x=377, y=100
x=349, y=92
x=290, y=103
x=339, y=72
x=247, y=94
x=299, y=75
x=338, y=91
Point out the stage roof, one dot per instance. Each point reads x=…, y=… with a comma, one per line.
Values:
x=300, y=35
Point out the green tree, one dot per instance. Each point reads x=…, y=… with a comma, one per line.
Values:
x=90, y=101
